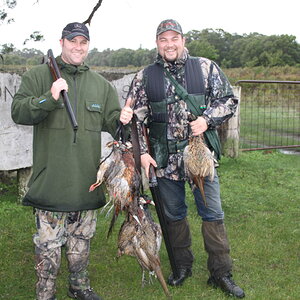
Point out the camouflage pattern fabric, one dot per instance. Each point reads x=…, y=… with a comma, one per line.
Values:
x=221, y=105
x=55, y=229
x=168, y=24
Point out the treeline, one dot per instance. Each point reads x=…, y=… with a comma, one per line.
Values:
x=228, y=50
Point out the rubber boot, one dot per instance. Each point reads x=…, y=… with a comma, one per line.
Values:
x=180, y=238
x=219, y=262
x=217, y=246
x=47, y=266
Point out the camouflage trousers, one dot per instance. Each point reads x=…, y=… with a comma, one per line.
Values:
x=54, y=230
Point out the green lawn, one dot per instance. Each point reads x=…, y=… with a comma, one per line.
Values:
x=268, y=125
x=261, y=200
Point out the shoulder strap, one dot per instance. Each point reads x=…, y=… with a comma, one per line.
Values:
x=135, y=144
x=155, y=82
x=194, y=76
x=155, y=79
x=183, y=94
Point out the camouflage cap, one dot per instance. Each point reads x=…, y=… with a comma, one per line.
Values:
x=168, y=24
x=75, y=29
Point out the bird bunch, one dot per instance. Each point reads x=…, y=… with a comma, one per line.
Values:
x=139, y=235
x=199, y=162
x=117, y=171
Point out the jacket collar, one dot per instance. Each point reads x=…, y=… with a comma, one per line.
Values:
x=175, y=66
x=71, y=69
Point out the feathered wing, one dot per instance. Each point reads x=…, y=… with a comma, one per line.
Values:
x=198, y=162
x=120, y=177
x=139, y=236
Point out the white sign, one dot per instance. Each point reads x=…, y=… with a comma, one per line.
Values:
x=15, y=140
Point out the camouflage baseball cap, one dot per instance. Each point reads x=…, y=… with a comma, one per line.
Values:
x=75, y=29
x=168, y=24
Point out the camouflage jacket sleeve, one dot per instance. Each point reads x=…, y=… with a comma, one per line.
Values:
x=221, y=102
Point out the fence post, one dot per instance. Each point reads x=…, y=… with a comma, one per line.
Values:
x=229, y=132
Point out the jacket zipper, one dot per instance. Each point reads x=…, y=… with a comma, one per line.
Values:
x=75, y=104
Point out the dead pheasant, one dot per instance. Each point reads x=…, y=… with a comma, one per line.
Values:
x=140, y=237
x=122, y=180
x=118, y=173
x=199, y=162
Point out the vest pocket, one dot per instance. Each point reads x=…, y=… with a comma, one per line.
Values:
x=93, y=116
x=196, y=103
x=158, y=144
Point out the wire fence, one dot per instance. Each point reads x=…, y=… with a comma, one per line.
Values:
x=269, y=114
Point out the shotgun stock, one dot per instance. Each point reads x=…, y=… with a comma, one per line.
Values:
x=56, y=74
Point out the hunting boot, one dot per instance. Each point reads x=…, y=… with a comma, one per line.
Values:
x=78, y=251
x=180, y=238
x=219, y=262
x=47, y=266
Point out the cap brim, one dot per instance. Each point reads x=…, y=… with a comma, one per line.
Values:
x=74, y=34
x=168, y=29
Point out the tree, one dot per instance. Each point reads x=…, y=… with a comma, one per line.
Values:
x=230, y=51
x=260, y=50
x=36, y=35
x=122, y=58
x=96, y=58
x=218, y=39
x=4, y=16
x=7, y=48
x=10, y=4
x=14, y=59
x=202, y=48
x=143, y=57
x=193, y=35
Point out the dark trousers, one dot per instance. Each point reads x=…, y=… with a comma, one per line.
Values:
x=213, y=228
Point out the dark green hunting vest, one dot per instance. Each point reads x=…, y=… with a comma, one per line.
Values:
x=194, y=96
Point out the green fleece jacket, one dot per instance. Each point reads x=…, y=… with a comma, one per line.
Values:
x=65, y=164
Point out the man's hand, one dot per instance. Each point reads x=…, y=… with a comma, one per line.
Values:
x=146, y=160
x=59, y=85
x=126, y=112
x=198, y=126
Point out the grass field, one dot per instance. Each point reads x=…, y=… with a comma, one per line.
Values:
x=269, y=115
x=261, y=200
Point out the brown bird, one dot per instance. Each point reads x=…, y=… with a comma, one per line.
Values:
x=141, y=237
x=199, y=162
x=121, y=178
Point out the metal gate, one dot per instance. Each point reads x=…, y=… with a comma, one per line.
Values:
x=269, y=114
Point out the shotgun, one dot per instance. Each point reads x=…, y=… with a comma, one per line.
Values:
x=56, y=74
x=159, y=206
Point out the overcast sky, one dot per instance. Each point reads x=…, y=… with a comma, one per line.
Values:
x=132, y=23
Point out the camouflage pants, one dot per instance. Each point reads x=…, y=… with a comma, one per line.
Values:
x=54, y=230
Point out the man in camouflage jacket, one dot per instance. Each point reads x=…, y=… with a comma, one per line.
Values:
x=220, y=105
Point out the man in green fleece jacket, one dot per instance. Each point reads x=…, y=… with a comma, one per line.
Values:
x=64, y=162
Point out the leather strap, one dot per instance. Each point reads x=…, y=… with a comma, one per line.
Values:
x=135, y=144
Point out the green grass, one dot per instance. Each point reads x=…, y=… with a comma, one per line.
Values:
x=261, y=200
x=269, y=115
x=262, y=73
x=269, y=125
